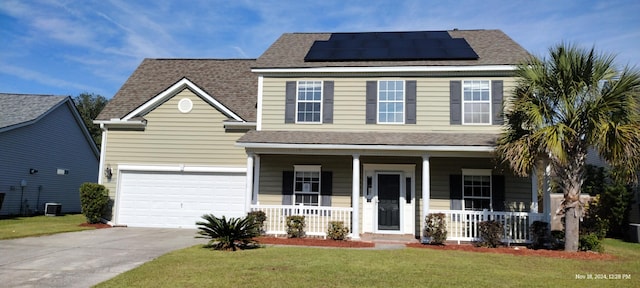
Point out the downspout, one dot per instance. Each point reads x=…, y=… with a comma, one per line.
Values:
x=103, y=150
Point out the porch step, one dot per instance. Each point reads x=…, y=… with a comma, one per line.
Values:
x=389, y=238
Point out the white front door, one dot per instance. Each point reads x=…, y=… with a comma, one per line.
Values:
x=388, y=198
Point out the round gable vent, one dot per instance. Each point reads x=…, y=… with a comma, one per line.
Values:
x=185, y=105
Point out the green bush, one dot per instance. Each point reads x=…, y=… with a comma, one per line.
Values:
x=259, y=217
x=295, y=226
x=435, y=228
x=337, y=231
x=590, y=242
x=228, y=234
x=93, y=200
x=540, y=235
x=490, y=234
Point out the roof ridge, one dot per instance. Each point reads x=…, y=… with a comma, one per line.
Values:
x=27, y=94
x=201, y=59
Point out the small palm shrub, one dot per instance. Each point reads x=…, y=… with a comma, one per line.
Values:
x=337, y=231
x=228, y=234
x=490, y=234
x=435, y=228
x=94, y=198
x=259, y=217
x=295, y=226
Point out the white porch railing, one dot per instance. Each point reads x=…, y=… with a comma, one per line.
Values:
x=317, y=218
x=463, y=225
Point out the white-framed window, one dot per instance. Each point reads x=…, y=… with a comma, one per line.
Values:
x=476, y=189
x=309, y=102
x=476, y=102
x=306, y=185
x=391, y=101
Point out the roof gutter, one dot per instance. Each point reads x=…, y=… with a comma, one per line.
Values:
x=119, y=123
x=386, y=69
x=424, y=148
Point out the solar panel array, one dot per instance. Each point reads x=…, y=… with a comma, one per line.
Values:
x=384, y=46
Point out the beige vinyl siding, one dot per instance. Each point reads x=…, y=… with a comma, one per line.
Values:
x=517, y=189
x=349, y=113
x=196, y=138
x=272, y=166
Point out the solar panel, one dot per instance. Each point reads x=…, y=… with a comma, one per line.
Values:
x=389, y=46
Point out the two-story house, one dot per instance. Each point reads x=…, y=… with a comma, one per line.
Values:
x=373, y=129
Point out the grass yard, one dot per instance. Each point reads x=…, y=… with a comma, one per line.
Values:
x=410, y=267
x=19, y=227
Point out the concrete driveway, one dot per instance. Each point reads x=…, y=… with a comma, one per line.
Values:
x=86, y=258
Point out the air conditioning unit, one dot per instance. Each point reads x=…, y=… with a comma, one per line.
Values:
x=52, y=209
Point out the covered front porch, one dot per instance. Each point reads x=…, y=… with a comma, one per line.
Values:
x=384, y=189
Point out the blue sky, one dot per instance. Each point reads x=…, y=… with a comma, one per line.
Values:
x=67, y=47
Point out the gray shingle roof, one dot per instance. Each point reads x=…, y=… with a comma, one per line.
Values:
x=229, y=81
x=492, y=46
x=20, y=108
x=369, y=138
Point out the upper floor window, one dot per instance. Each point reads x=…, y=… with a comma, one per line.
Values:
x=476, y=102
x=306, y=185
x=391, y=101
x=309, y=102
x=476, y=189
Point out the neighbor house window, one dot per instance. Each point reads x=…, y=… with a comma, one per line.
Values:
x=476, y=189
x=391, y=101
x=476, y=102
x=306, y=186
x=309, y=102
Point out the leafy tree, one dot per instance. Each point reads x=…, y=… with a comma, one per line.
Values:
x=574, y=100
x=89, y=105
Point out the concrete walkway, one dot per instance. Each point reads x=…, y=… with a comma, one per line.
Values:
x=86, y=258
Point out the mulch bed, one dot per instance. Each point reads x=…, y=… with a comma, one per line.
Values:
x=519, y=250
x=97, y=225
x=319, y=242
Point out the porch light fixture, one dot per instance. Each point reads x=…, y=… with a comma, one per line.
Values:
x=33, y=171
x=108, y=172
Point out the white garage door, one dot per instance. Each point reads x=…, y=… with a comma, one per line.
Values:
x=178, y=200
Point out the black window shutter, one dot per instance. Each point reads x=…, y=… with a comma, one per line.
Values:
x=372, y=102
x=327, y=102
x=287, y=187
x=455, y=102
x=326, y=188
x=290, y=102
x=410, y=117
x=496, y=102
x=455, y=191
x=497, y=187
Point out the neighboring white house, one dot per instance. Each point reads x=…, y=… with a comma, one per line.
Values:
x=46, y=153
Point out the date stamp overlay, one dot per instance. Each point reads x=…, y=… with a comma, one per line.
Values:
x=603, y=276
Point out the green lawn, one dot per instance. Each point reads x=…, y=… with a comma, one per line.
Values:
x=19, y=227
x=411, y=267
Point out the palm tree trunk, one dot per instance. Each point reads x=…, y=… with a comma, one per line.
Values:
x=572, y=207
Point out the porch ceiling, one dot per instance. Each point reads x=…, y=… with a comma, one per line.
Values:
x=366, y=140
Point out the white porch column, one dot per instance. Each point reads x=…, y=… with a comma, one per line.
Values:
x=426, y=187
x=534, y=191
x=547, y=195
x=355, y=198
x=249, y=188
x=256, y=178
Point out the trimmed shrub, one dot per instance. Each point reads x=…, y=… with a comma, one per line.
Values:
x=540, y=235
x=590, y=242
x=435, y=228
x=94, y=198
x=295, y=226
x=228, y=234
x=337, y=231
x=259, y=217
x=490, y=234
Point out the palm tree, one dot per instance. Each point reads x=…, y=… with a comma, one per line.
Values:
x=565, y=105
